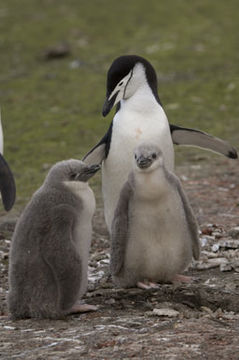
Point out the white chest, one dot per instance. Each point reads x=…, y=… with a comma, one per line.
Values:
x=159, y=244
x=85, y=194
x=130, y=128
x=83, y=228
x=133, y=125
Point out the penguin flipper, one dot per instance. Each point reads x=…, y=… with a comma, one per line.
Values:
x=7, y=185
x=119, y=230
x=190, y=217
x=59, y=252
x=100, y=151
x=95, y=156
x=193, y=137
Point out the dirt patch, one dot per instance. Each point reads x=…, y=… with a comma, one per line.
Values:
x=194, y=321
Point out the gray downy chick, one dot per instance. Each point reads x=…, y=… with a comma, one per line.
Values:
x=50, y=246
x=154, y=231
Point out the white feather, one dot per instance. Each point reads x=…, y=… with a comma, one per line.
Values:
x=83, y=230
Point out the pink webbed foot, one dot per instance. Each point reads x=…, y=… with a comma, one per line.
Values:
x=146, y=285
x=80, y=308
x=182, y=279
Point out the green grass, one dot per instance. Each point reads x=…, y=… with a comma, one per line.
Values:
x=51, y=111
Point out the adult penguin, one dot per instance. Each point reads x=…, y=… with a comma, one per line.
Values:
x=132, y=86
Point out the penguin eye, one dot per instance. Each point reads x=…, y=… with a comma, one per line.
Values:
x=73, y=176
x=120, y=83
x=154, y=155
x=135, y=156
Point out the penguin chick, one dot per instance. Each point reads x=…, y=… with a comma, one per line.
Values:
x=154, y=232
x=50, y=247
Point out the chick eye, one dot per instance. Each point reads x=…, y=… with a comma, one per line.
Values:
x=154, y=155
x=135, y=156
x=73, y=176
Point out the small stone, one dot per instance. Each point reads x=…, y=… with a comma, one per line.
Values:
x=211, y=263
x=206, y=309
x=75, y=64
x=215, y=247
x=208, y=254
x=3, y=255
x=235, y=265
x=110, y=301
x=203, y=241
x=56, y=52
x=8, y=223
x=207, y=230
x=165, y=312
x=229, y=244
x=225, y=267
x=217, y=234
x=234, y=232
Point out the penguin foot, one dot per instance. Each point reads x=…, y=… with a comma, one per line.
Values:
x=146, y=285
x=79, y=308
x=182, y=279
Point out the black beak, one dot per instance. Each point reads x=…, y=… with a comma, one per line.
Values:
x=7, y=185
x=87, y=173
x=93, y=169
x=144, y=163
x=108, y=105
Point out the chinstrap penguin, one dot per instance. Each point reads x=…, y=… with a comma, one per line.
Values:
x=154, y=232
x=7, y=182
x=50, y=247
x=132, y=86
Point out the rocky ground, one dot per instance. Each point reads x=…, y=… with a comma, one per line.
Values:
x=194, y=321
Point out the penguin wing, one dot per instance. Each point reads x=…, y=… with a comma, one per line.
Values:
x=59, y=252
x=100, y=151
x=7, y=185
x=190, y=217
x=119, y=230
x=193, y=137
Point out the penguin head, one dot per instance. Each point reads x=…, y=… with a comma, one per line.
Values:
x=71, y=170
x=147, y=157
x=125, y=76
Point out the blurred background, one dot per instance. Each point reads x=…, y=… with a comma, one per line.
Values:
x=54, y=56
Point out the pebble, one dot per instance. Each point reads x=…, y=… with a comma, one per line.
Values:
x=3, y=255
x=215, y=247
x=229, y=244
x=8, y=224
x=235, y=265
x=164, y=312
x=210, y=263
x=234, y=232
x=225, y=267
x=75, y=64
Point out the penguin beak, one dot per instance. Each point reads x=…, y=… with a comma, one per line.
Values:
x=144, y=163
x=117, y=94
x=93, y=169
x=109, y=103
x=87, y=173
